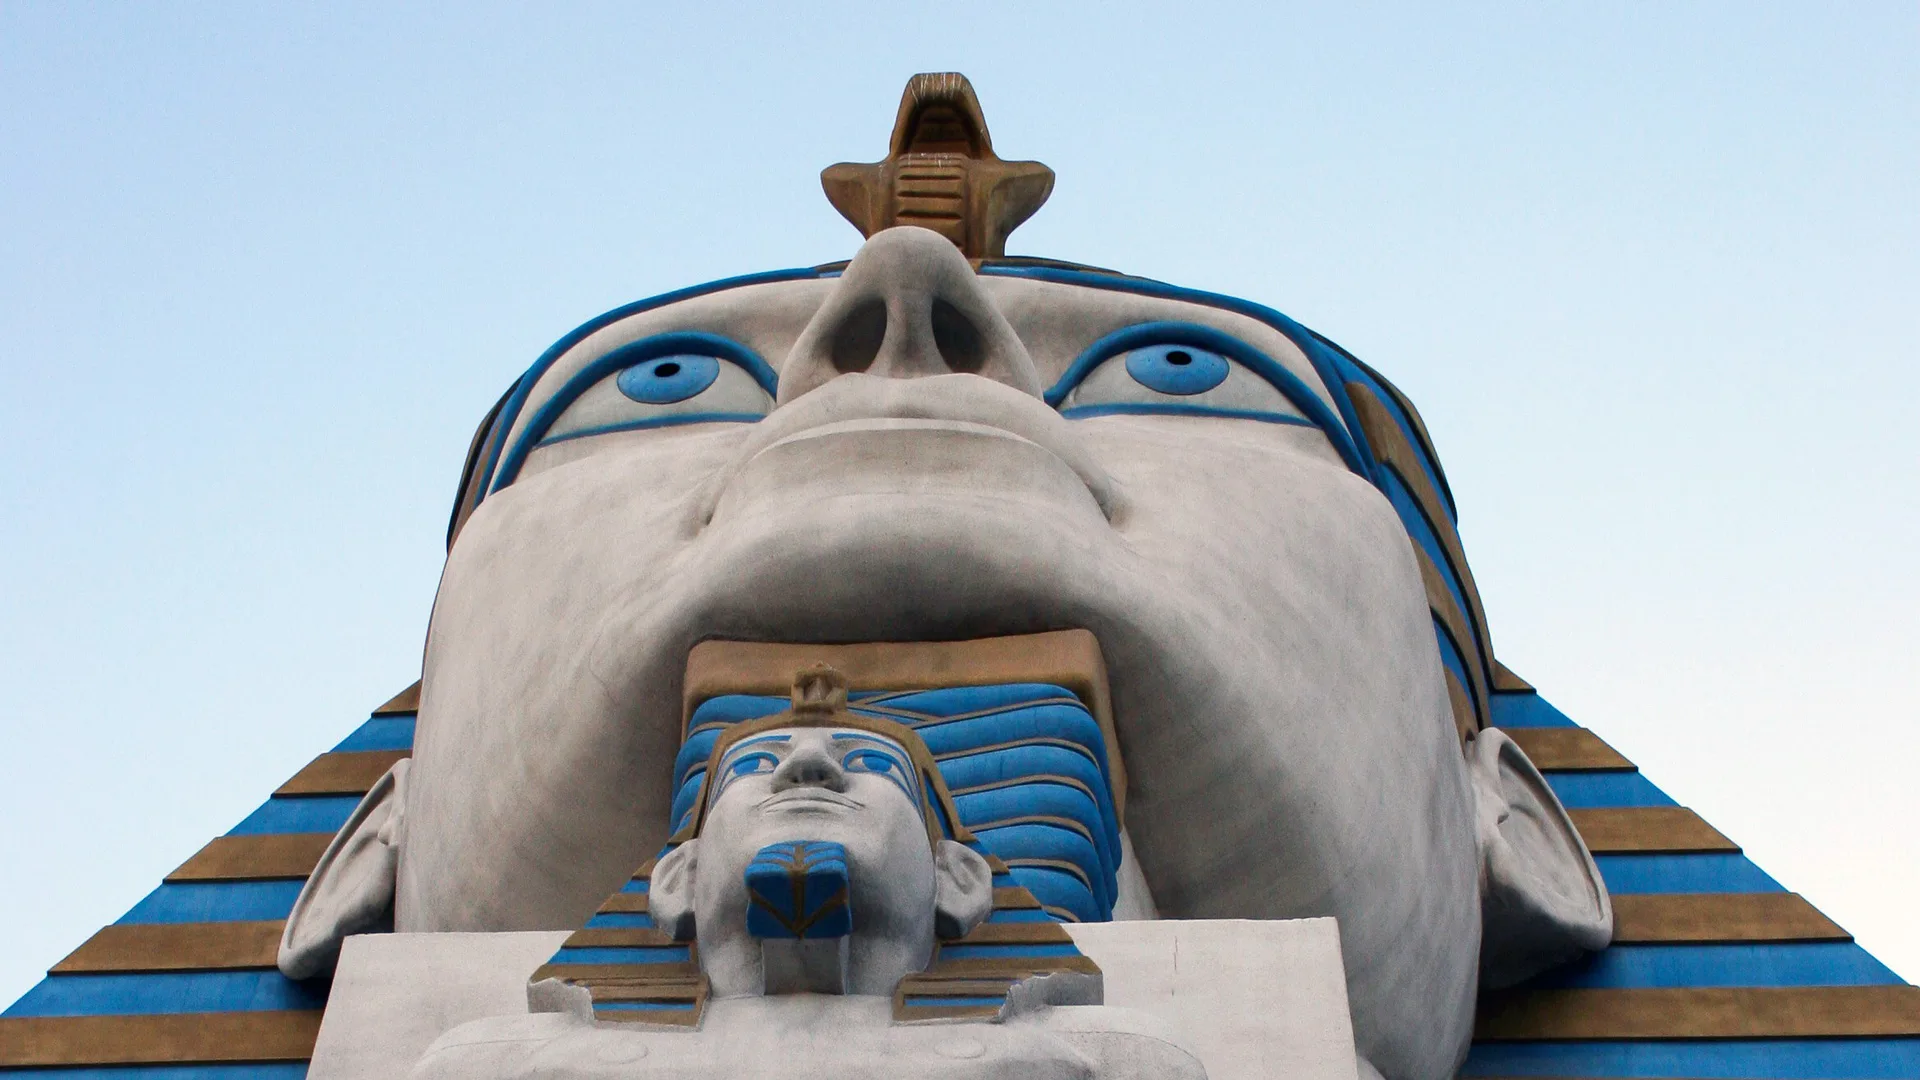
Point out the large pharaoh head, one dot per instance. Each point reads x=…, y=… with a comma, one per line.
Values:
x=932, y=442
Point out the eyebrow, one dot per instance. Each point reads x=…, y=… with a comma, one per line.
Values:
x=877, y=742
x=756, y=740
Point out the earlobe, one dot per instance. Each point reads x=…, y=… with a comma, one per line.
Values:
x=1542, y=898
x=351, y=890
x=670, y=891
x=963, y=889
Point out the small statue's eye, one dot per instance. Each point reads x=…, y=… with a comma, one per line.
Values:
x=1177, y=369
x=753, y=763
x=667, y=379
x=870, y=761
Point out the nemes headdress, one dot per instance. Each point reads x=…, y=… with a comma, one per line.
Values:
x=820, y=701
x=636, y=971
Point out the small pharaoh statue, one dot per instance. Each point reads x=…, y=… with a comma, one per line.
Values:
x=796, y=925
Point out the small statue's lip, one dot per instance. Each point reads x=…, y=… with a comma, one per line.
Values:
x=809, y=794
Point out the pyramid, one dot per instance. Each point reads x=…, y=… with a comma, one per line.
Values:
x=184, y=984
x=1716, y=970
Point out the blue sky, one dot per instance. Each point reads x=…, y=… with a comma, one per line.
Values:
x=1651, y=275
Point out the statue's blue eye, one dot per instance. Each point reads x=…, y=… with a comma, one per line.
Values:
x=1177, y=369
x=749, y=764
x=667, y=379
x=684, y=377
x=870, y=761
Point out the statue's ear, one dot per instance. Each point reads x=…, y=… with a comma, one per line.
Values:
x=962, y=889
x=670, y=890
x=1542, y=901
x=351, y=890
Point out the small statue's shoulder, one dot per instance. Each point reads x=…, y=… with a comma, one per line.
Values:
x=1122, y=1044
x=558, y=1045
x=497, y=1046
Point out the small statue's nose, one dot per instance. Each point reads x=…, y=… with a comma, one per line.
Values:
x=810, y=765
x=908, y=305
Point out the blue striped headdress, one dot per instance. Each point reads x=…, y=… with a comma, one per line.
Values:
x=1021, y=771
x=636, y=971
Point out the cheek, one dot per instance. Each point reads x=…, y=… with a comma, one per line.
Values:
x=894, y=823
x=1243, y=515
x=893, y=864
x=873, y=787
x=728, y=842
x=598, y=514
x=565, y=550
x=657, y=463
x=736, y=795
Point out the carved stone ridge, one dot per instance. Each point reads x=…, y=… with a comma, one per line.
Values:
x=941, y=173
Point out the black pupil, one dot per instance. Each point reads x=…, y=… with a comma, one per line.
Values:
x=1179, y=358
x=669, y=369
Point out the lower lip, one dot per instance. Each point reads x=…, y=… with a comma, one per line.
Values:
x=863, y=458
x=808, y=803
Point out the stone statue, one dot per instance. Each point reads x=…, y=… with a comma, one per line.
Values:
x=807, y=817
x=932, y=443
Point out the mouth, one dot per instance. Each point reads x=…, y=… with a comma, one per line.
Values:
x=809, y=799
x=958, y=428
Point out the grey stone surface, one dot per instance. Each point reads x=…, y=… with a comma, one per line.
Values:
x=1276, y=686
x=1249, y=1000
x=816, y=1037
x=393, y=994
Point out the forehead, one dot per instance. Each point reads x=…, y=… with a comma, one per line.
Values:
x=1055, y=321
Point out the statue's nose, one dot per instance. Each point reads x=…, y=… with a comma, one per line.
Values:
x=907, y=306
x=810, y=765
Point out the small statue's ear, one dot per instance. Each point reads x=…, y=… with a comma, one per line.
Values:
x=1542, y=901
x=351, y=890
x=670, y=890
x=962, y=890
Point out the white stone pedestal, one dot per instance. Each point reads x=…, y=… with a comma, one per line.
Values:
x=1253, y=1000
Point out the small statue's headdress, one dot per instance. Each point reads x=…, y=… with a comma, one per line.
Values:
x=623, y=967
x=820, y=700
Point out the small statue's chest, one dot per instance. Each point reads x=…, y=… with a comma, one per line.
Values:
x=781, y=1052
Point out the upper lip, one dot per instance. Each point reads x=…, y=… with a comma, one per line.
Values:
x=811, y=794
x=960, y=400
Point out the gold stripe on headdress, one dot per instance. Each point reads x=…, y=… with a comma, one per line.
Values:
x=820, y=701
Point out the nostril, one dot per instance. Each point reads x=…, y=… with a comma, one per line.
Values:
x=857, y=340
x=808, y=767
x=957, y=339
